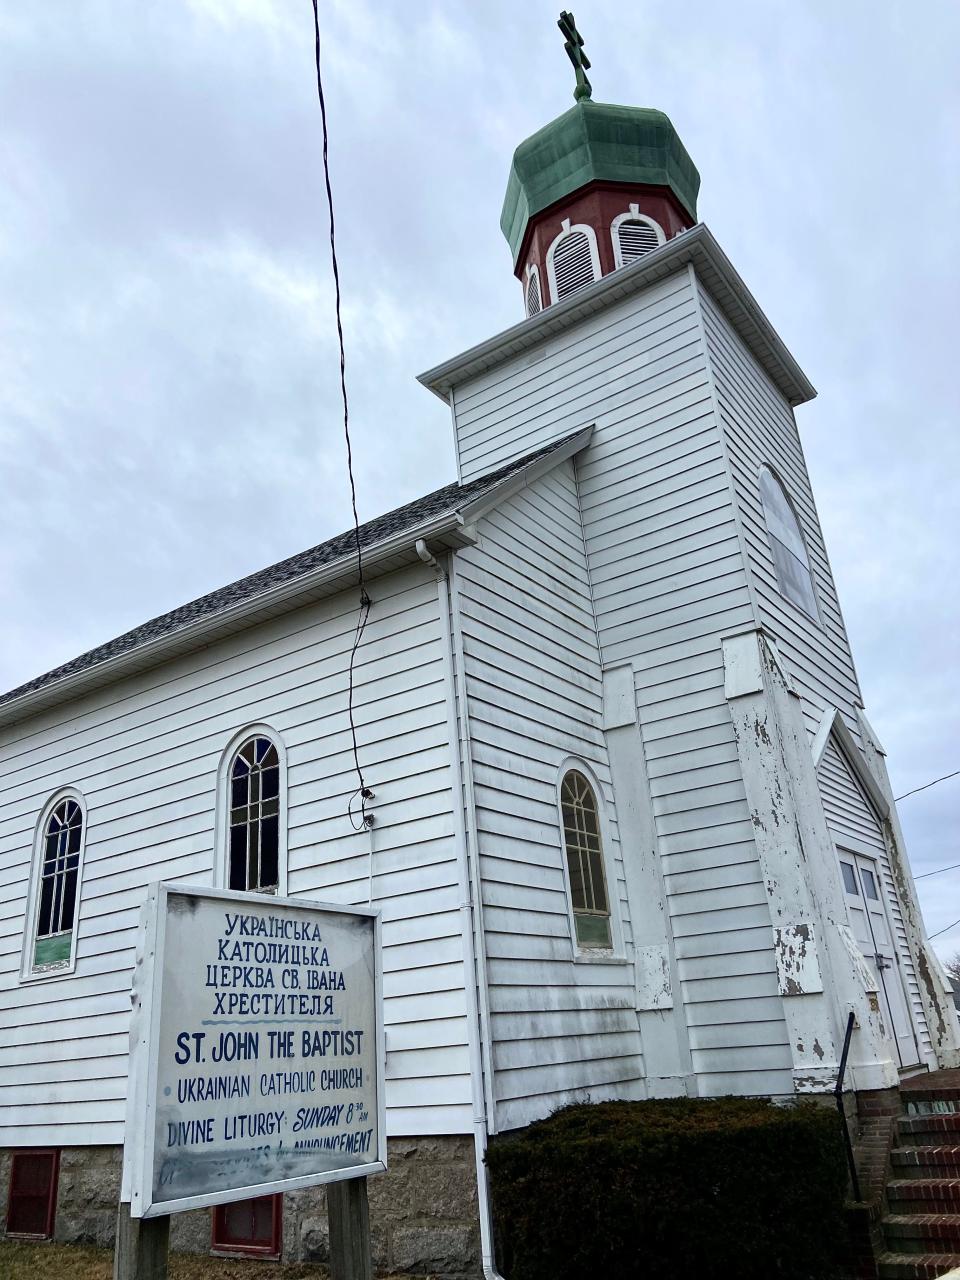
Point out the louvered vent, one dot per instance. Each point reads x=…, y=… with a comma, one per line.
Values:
x=533, y=294
x=572, y=264
x=636, y=239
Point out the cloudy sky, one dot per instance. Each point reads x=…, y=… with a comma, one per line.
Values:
x=168, y=395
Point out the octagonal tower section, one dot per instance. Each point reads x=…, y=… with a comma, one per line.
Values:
x=593, y=191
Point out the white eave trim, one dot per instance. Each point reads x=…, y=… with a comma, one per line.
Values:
x=713, y=267
x=833, y=725
x=472, y=511
x=447, y=530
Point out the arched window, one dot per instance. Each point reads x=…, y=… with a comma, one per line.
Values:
x=573, y=260
x=57, y=887
x=584, y=850
x=534, y=303
x=253, y=842
x=790, y=558
x=634, y=234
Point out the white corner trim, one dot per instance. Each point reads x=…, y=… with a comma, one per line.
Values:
x=619, y=697
x=742, y=665
x=822, y=736
x=868, y=732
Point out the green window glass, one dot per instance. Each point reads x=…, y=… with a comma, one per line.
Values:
x=59, y=871
x=584, y=850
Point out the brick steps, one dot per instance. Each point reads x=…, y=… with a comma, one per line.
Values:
x=925, y=1161
x=922, y=1232
x=916, y=1266
x=922, y=1225
x=924, y=1195
x=930, y=1125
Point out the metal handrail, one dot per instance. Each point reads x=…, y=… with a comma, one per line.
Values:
x=838, y=1095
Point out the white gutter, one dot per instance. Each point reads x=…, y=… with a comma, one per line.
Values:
x=468, y=916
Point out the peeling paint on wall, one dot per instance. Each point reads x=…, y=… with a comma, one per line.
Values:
x=798, y=965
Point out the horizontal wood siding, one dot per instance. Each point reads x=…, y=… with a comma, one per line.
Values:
x=668, y=582
x=145, y=756
x=854, y=824
x=561, y=1029
x=760, y=429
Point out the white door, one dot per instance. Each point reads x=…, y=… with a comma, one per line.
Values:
x=868, y=918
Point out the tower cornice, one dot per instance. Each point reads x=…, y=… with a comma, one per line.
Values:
x=697, y=247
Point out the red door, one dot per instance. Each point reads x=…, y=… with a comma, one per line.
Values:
x=33, y=1194
x=249, y=1227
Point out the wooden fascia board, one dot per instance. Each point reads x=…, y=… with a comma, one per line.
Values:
x=697, y=246
x=525, y=476
x=447, y=531
x=833, y=725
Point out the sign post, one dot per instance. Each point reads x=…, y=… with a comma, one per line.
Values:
x=256, y=1063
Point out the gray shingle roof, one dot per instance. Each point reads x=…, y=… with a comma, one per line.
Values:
x=451, y=498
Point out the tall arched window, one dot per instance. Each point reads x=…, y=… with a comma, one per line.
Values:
x=534, y=302
x=50, y=944
x=790, y=559
x=634, y=234
x=573, y=260
x=253, y=844
x=584, y=850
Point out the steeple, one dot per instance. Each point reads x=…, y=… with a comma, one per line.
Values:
x=593, y=190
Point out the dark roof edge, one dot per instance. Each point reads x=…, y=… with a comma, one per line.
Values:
x=445, y=531
x=697, y=246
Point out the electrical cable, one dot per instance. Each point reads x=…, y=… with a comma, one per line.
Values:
x=363, y=792
x=931, y=936
x=955, y=774
x=939, y=871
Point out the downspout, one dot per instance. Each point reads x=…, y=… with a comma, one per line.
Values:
x=467, y=919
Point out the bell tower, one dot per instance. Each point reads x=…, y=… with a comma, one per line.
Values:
x=594, y=190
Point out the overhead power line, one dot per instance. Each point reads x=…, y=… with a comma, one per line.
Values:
x=955, y=774
x=931, y=936
x=939, y=871
x=363, y=792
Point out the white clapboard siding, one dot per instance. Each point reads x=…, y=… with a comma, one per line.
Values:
x=853, y=822
x=759, y=429
x=560, y=1028
x=668, y=581
x=145, y=754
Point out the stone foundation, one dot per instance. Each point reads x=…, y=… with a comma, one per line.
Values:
x=424, y=1217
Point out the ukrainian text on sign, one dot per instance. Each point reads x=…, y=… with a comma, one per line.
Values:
x=260, y=1049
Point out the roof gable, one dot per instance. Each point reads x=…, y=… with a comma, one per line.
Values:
x=388, y=541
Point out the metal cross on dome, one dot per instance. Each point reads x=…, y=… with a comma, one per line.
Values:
x=574, y=48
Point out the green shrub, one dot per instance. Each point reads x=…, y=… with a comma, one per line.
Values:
x=736, y=1188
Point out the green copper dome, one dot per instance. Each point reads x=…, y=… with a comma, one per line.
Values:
x=595, y=140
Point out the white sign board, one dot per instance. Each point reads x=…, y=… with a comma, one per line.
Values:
x=256, y=1048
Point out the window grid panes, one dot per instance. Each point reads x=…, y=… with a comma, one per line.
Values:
x=869, y=885
x=255, y=817
x=849, y=878
x=60, y=866
x=581, y=836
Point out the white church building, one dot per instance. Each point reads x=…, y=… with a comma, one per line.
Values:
x=633, y=834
